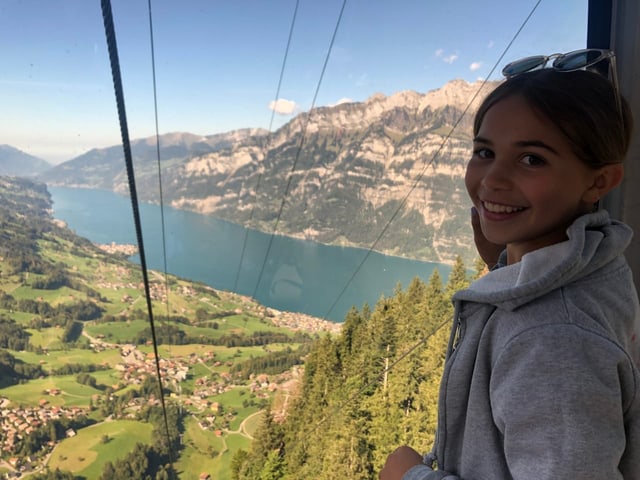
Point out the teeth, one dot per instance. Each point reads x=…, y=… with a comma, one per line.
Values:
x=496, y=208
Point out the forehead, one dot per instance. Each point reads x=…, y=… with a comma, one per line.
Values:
x=514, y=119
x=514, y=108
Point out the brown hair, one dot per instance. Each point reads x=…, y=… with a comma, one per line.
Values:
x=581, y=104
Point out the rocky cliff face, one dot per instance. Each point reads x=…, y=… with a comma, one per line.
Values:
x=385, y=174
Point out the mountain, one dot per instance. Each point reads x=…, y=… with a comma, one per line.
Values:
x=16, y=163
x=386, y=173
x=104, y=167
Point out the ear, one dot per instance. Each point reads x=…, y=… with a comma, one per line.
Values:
x=605, y=179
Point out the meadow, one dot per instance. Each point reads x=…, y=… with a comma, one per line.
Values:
x=87, y=452
x=114, y=285
x=29, y=394
x=55, y=359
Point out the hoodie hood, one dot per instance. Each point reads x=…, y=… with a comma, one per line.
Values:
x=594, y=240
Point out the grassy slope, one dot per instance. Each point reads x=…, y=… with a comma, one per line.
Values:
x=118, y=283
x=85, y=454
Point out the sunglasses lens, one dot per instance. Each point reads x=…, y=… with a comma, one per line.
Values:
x=578, y=60
x=524, y=65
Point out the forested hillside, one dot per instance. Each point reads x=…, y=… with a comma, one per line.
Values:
x=364, y=393
x=79, y=387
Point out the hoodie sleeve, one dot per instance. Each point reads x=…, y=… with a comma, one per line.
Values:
x=557, y=396
x=423, y=472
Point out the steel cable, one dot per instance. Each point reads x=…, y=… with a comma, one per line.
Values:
x=126, y=145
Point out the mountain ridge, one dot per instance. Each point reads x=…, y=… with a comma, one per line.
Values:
x=386, y=173
x=17, y=163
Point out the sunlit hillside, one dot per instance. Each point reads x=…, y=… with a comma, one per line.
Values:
x=79, y=385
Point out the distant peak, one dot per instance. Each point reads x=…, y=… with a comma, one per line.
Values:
x=405, y=98
x=457, y=93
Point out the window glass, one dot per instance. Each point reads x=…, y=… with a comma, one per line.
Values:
x=294, y=162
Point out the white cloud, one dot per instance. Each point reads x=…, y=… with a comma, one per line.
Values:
x=450, y=58
x=439, y=53
x=343, y=100
x=491, y=44
x=282, y=106
x=475, y=66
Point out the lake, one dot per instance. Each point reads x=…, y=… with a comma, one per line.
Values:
x=296, y=275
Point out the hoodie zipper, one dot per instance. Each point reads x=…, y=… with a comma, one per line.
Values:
x=456, y=334
x=454, y=341
x=457, y=331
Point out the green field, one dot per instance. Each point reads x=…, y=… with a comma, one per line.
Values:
x=177, y=351
x=54, y=359
x=232, y=398
x=29, y=394
x=206, y=452
x=243, y=413
x=252, y=423
x=201, y=450
x=22, y=318
x=54, y=297
x=117, y=332
x=47, y=338
x=85, y=454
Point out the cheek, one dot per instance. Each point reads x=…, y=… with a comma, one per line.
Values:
x=545, y=193
x=471, y=179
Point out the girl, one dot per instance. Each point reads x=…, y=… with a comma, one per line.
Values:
x=542, y=375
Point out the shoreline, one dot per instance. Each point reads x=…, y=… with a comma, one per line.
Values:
x=118, y=248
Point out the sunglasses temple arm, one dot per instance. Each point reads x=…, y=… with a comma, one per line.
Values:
x=616, y=86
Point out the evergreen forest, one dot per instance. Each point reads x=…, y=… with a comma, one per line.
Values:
x=365, y=392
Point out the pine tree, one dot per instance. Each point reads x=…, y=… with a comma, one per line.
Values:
x=307, y=430
x=108, y=471
x=268, y=440
x=273, y=468
x=480, y=268
x=238, y=463
x=365, y=392
x=458, y=279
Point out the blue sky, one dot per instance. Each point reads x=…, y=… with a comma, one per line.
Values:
x=218, y=62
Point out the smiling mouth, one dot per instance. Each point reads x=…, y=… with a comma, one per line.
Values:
x=497, y=208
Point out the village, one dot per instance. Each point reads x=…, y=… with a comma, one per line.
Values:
x=17, y=422
x=195, y=380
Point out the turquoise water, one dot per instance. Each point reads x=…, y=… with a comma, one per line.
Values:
x=297, y=275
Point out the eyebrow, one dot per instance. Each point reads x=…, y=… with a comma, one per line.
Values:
x=521, y=143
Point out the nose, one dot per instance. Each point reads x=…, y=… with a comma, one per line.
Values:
x=497, y=176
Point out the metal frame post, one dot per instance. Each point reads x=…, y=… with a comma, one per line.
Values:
x=614, y=24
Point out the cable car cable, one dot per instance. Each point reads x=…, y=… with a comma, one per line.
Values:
x=273, y=113
x=126, y=145
x=430, y=162
x=299, y=150
x=160, y=194
x=423, y=340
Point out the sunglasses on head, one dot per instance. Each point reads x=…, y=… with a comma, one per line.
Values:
x=568, y=62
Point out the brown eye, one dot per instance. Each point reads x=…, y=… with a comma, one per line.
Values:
x=482, y=153
x=532, y=160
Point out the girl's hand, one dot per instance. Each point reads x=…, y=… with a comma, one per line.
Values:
x=399, y=462
x=489, y=252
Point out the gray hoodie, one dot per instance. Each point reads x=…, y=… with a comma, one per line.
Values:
x=542, y=378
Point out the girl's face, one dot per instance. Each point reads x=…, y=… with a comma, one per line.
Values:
x=526, y=183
